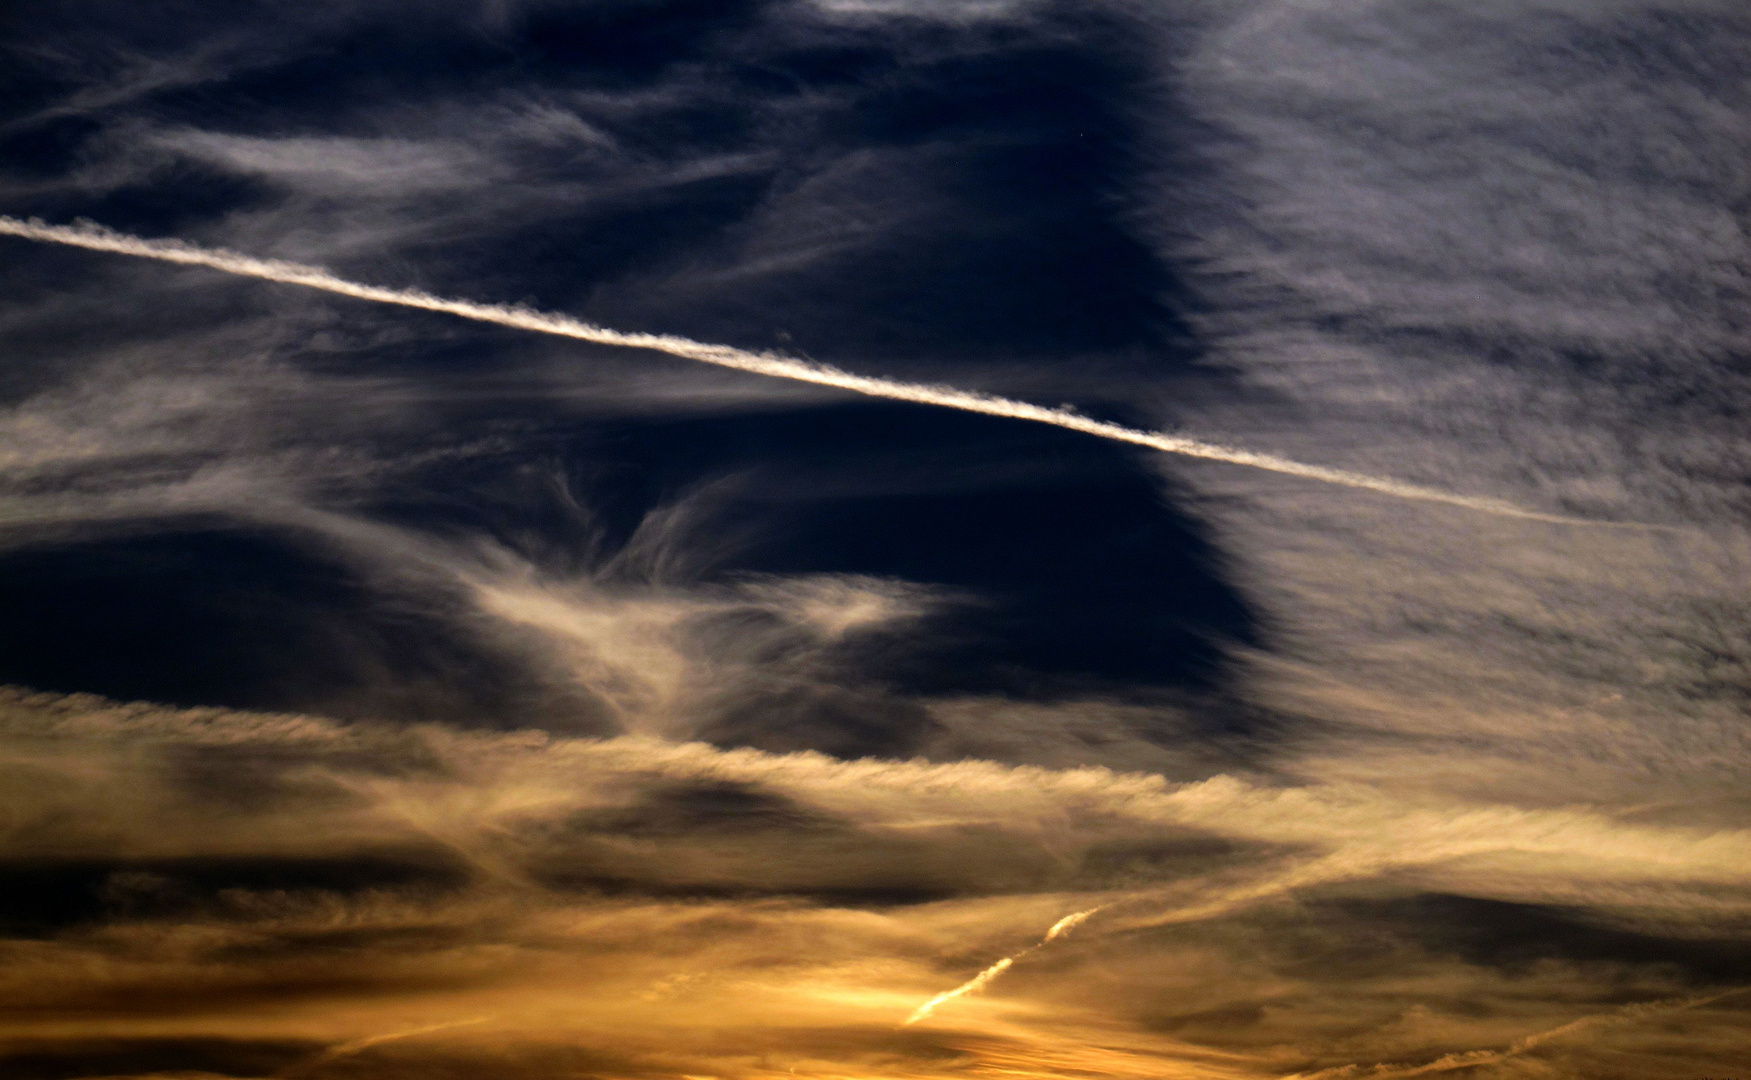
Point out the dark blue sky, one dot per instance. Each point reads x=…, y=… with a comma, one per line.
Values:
x=882, y=196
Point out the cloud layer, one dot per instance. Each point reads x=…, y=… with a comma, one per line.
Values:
x=347, y=894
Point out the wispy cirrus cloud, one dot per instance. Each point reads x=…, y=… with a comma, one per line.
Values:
x=502, y=872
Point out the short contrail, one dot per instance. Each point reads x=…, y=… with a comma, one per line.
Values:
x=1067, y=924
x=983, y=979
x=347, y=1049
x=99, y=238
x=972, y=985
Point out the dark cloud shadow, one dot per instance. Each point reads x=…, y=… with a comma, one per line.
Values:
x=49, y=896
x=1062, y=566
x=208, y=615
x=1520, y=937
x=78, y=1058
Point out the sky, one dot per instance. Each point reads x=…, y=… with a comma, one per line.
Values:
x=875, y=540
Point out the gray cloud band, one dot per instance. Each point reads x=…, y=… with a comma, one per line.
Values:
x=98, y=238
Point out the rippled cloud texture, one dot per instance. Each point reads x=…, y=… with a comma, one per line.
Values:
x=389, y=695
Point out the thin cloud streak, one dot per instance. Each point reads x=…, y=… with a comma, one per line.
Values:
x=354, y=1046
x=986, y=977
x=1068, y=923
x=98, y=238
x=971, y=986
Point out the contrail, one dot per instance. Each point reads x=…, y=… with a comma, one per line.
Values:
x=984, y=978
x=347, y=1049
x=98, y=238
x=972, y=985
x=1068, y=923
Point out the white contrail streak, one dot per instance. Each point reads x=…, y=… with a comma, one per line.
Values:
x=1068, y=923
x=971, y=986
x=99, y=238
x=983, y=979
x=347, y=1049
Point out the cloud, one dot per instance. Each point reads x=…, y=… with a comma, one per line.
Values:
x=1430, y=234
x=341, y=165
x=1497, y=234
x=381, y=880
